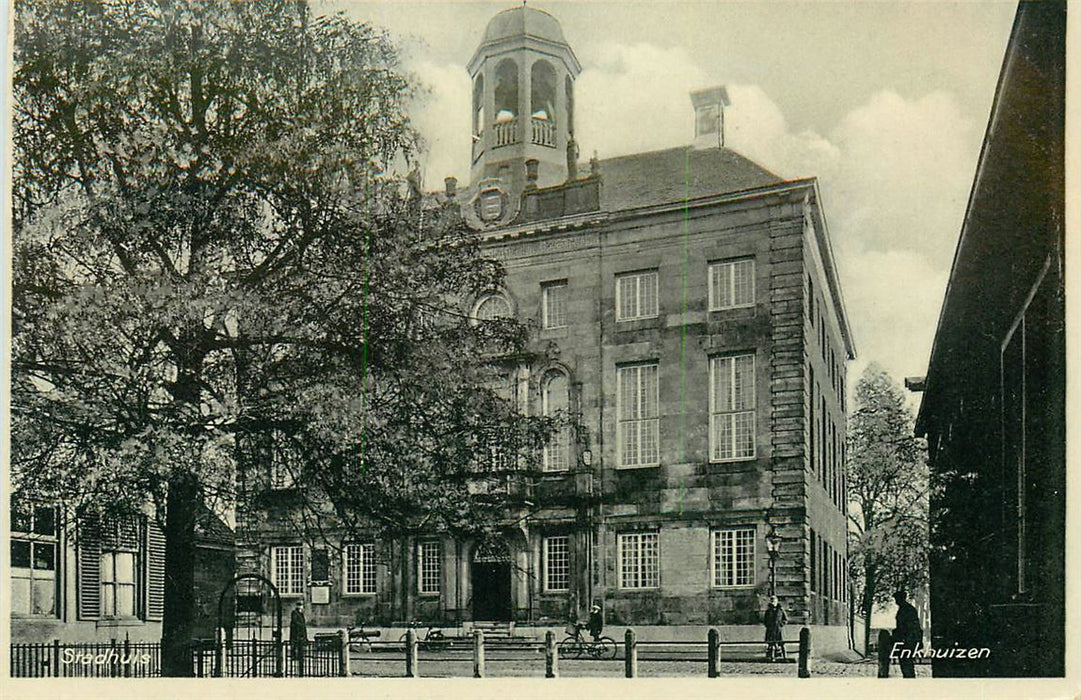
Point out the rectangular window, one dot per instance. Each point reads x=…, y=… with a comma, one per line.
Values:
x=733, y=557
x=33, y=561
x=639, y=560
x=732, y=408
x=557, y=569
x=639, y=423
x=636, y=295
x=555, y=304
x=118, y=584
x=431, y=567
x=731, y=284
x=360, y=569
x=814, y=562
x=287, y=569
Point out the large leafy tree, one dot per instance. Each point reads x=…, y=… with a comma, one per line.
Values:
x=888, y=495
x=212, y=254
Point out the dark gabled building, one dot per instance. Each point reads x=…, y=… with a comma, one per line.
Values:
x=993, y=409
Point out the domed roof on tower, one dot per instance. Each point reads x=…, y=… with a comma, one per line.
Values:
x=523, y=20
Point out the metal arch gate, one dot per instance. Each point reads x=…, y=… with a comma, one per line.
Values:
x=249, y=606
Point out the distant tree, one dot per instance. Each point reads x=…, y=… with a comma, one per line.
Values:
x=888, y=495
x=214, y=258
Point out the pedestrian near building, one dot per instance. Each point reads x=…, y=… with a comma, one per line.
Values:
x=596, y=621
x=298, y=632
x=775, y=619
x=907, y=635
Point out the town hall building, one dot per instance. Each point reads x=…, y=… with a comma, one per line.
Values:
x=690, y=317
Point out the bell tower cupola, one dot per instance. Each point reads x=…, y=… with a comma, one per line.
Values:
x=523, y=77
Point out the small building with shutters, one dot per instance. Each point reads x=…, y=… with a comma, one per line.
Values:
x=91, y=578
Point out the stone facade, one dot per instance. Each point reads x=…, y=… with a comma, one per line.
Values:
x=681, y=538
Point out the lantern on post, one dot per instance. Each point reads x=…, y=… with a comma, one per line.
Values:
x=773, y=548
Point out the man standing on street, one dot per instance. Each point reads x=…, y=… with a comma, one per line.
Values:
x=907, y=635
x=298, y=635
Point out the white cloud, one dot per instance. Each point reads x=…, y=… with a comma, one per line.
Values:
x=635, y=98
x=442, y=117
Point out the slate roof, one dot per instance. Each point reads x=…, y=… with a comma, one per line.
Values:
x=675, y=174
x=523, y=21
x=212, y=530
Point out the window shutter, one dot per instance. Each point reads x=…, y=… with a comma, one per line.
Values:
x=155, y=571
x=89, y=570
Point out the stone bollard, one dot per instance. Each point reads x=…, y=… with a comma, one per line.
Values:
x=713, y=655
x=805, y=653
x=478, y=653
x=885, y=644
x=630, y=655
x=219, y=652
x=343, y=654
x=551, y=655
x=411, y=649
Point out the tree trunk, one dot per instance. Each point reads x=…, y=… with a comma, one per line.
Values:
x=179, y=621
x=868, y=602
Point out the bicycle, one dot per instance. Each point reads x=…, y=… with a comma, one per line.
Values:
x=360, y=637
x=575, y=644
x=433, y=638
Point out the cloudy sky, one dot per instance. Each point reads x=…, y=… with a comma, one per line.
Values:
x=885, y=102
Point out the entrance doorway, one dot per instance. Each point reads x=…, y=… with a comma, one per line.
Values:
x=491, y=579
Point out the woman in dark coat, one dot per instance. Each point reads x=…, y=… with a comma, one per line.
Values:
x=775, y=620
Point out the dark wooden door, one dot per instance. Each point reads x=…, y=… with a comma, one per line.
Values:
x=491, y=591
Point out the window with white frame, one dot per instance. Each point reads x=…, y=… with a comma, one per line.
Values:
x=733, y=557
x=639, y=415
x=287, y=569
x=731, y=284
x=118, y=567
x=33, y=560
x=639, y=560
x=492, y=307
x=554, y=314
x=359, y=568
x=557, y=566
x=118, y=584
x=430, y=566
x=732, y=408
x=636, y=295
x=555, y=402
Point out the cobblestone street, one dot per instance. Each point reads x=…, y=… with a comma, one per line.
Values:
x=531, y=664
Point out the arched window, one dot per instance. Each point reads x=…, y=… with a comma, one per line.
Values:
x=542, y=82
x=555, y=403
x=506, y=90
x=478, y=105
x=568, y=89
x=492, y=306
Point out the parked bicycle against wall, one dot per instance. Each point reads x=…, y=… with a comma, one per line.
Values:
x=575, y=644
x=360, y=638
x=432, y=639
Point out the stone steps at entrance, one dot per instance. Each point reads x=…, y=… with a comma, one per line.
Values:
x=494, y=629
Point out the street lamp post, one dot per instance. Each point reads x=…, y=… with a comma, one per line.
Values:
x=773, y=548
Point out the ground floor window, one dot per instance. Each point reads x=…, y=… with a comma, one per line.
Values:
x=360, y=569
x=733, y=557
x=287, y=569
x=557, y=570
x=118, y=584
x=33, y=561
x=430, y=567
x=639, y=559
